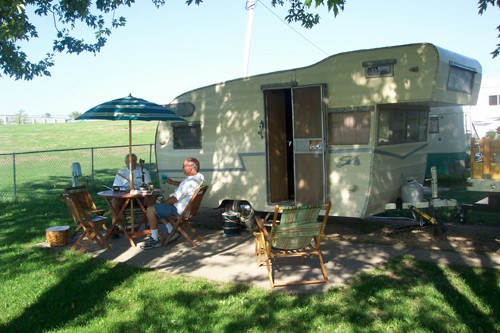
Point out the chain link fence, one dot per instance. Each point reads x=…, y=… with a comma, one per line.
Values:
x=35, y=174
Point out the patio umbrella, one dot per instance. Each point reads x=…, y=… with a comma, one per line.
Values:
x=130, y=108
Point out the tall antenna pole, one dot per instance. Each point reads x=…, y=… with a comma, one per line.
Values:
x=246, y=56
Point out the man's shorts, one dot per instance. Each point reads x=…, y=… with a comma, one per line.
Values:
x=164, y=210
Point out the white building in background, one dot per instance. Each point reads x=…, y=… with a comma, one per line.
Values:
x=485, y=115
x=11, y=119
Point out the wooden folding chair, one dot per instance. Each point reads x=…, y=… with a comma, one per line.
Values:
x=181, y=223
x=81, y=196
x=295, y=232
x=89, y=222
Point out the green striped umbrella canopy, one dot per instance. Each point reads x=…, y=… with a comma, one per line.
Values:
x=130, y=108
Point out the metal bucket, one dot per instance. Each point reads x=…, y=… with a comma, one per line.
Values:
x=231, y=224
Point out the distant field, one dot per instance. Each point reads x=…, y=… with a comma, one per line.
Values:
x=81, y=134
x=42, y=172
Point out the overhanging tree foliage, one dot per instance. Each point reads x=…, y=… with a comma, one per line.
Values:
x=69, y=15
x=16, y=28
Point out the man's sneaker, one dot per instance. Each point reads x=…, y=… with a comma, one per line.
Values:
x=174, y=237
x=151, y=244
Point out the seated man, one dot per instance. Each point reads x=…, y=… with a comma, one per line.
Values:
x=175, y=204
x=123, y=175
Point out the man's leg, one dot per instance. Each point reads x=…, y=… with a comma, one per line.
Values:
x=152, y=216
x=117, y=204
x=153, y=221
x=160, y=211
x=154, y=213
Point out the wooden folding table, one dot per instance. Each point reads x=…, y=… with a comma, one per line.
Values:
x=118, y=217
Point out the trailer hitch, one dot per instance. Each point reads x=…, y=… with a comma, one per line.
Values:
x=425, y=221
x=423, y=214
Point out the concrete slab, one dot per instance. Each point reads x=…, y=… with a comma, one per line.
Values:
x=232, y=259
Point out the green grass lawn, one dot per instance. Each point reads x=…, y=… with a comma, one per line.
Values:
x=36, y=137
x=47, y=291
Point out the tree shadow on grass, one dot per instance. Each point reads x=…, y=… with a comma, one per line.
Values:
x=406, y=295
x=25, y=220
x=76, y=298
x=434, y=301
x=483, y=285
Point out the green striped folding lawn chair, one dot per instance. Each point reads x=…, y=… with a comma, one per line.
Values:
x=295, y=232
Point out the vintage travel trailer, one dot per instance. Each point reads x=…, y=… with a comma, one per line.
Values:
x=449, y=141
x=351, y=128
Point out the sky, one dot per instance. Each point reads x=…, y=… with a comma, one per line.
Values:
x=162, y=53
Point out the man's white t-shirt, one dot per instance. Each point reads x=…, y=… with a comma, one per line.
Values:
x=122, y=176
x=185, y=191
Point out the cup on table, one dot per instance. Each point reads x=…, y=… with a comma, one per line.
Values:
x=164, y=178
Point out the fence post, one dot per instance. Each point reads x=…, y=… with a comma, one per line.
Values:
x=14, y=174
x=92, y=162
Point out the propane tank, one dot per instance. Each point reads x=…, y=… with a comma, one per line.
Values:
x=412, y=191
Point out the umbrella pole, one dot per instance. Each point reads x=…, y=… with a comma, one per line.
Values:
x=131, y=182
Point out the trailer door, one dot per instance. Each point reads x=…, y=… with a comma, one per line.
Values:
x=309, y=145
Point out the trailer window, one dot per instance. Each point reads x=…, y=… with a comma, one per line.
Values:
x=402, y=125
x=460, y=79
x=434, y=124
x=349, y=128
x=187, y=135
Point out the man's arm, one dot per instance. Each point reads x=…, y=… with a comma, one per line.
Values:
x=172, y=182
x=170, y=200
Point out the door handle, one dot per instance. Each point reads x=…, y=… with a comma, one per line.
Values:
x=261, y=129
x=315, y=145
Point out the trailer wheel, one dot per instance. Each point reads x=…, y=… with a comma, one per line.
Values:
x=247, y=214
